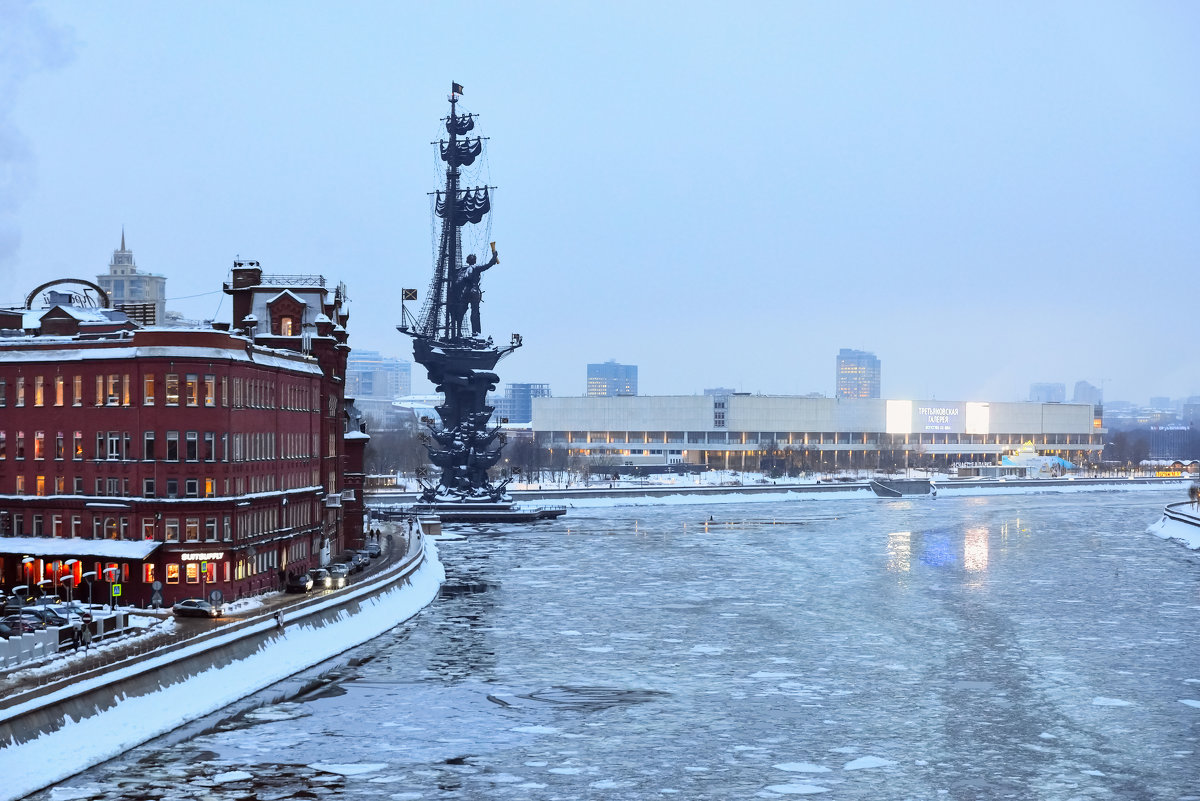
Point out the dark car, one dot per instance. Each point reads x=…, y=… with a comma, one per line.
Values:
x=14, y=626
x=26, y=622
x=299, y=583
x=195, y=607
x=321, y=579
x=339, y=573
x=355, y=560
x=373, y=549
x=47, y=614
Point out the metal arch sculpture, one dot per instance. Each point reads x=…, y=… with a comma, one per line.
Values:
x=107, y=303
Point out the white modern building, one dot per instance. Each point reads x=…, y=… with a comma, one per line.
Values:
x=750, y=432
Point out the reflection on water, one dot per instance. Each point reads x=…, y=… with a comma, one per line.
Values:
x=899, y=551
x=975, y=549
x=1003, y=647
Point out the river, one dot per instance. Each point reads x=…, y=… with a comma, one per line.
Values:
x=1017, y=646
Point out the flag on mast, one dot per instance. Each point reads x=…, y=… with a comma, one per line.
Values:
x=455, y=88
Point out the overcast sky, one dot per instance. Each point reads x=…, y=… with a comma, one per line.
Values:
x=985, y=195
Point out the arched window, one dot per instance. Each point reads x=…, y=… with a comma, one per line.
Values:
x=110, y=528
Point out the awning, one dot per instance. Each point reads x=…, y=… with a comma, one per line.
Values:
x=55, y=547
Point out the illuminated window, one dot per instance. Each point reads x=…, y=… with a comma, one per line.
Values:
x=171, y=531
x=39, y=390
x=148, y=573
x=172, y=389
x=77, y=390
x=148, y=389
x=192, y=388
x=210, y=390
x=172, y=574
x=193, y=573
x=39, y=445
x=59, y=390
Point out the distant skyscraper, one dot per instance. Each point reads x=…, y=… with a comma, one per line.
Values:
x=610, y=378
x=370, y=375
x=516, y=406
x=126, y=285
x=858, y=374
x=1086, y=393
x=1047, y=393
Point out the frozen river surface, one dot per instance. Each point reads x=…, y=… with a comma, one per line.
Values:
x=1022, y=646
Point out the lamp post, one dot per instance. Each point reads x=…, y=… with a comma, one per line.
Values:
x=69, y=566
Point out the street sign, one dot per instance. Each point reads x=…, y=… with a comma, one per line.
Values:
x=116, y=590
x=156, y=585
x=215, y=597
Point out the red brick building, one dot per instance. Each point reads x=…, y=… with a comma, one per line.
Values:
x=196, y=458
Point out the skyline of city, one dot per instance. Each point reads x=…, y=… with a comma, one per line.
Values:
x=988, y=224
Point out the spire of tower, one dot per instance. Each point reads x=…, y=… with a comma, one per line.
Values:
x=122, y=237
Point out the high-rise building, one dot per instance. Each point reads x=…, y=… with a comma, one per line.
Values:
x=1047, y=393
x=516, y=405
x=857, y=374
x=126, y=285
x=609, y=379
x=1087, y=393
x=370, y=375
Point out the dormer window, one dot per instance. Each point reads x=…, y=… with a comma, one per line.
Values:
x=287, y=326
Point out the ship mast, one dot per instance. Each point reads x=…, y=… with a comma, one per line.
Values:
x=456, y=208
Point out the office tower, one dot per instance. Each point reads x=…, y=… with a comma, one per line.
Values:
x=857, y=374
x=610, y=378
x=1047, y=393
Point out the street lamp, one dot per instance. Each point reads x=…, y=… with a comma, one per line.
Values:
x=69, y=566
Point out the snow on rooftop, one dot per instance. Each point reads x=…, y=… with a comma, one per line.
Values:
x=58, y=546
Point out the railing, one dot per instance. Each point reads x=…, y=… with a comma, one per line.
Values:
x=1180, y=511
x=295, y=280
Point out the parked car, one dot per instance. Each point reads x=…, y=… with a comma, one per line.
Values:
x=321, y=580
x=27, y=623
x=339, y=573
x=355, y=560
x=50, y=615
x=361, y=559
x=11, y=628
x=373, y=549
x=299, y=583
x=195, y=607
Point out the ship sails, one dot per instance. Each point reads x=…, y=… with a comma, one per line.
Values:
x=456, y=207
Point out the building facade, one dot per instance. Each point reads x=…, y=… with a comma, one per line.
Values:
x=371, y=375
x=858, y=374
x=516, y=404
x=126, y=285
x=611, y=379
x=171, y=462
x=1047, y=393
x=754, y=432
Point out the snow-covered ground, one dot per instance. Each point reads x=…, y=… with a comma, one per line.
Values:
x=80, y=743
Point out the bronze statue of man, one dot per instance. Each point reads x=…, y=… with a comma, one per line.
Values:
x=465, y=291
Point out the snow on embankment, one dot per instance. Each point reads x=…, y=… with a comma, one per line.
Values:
x=1179, y=522
x=84, y=740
